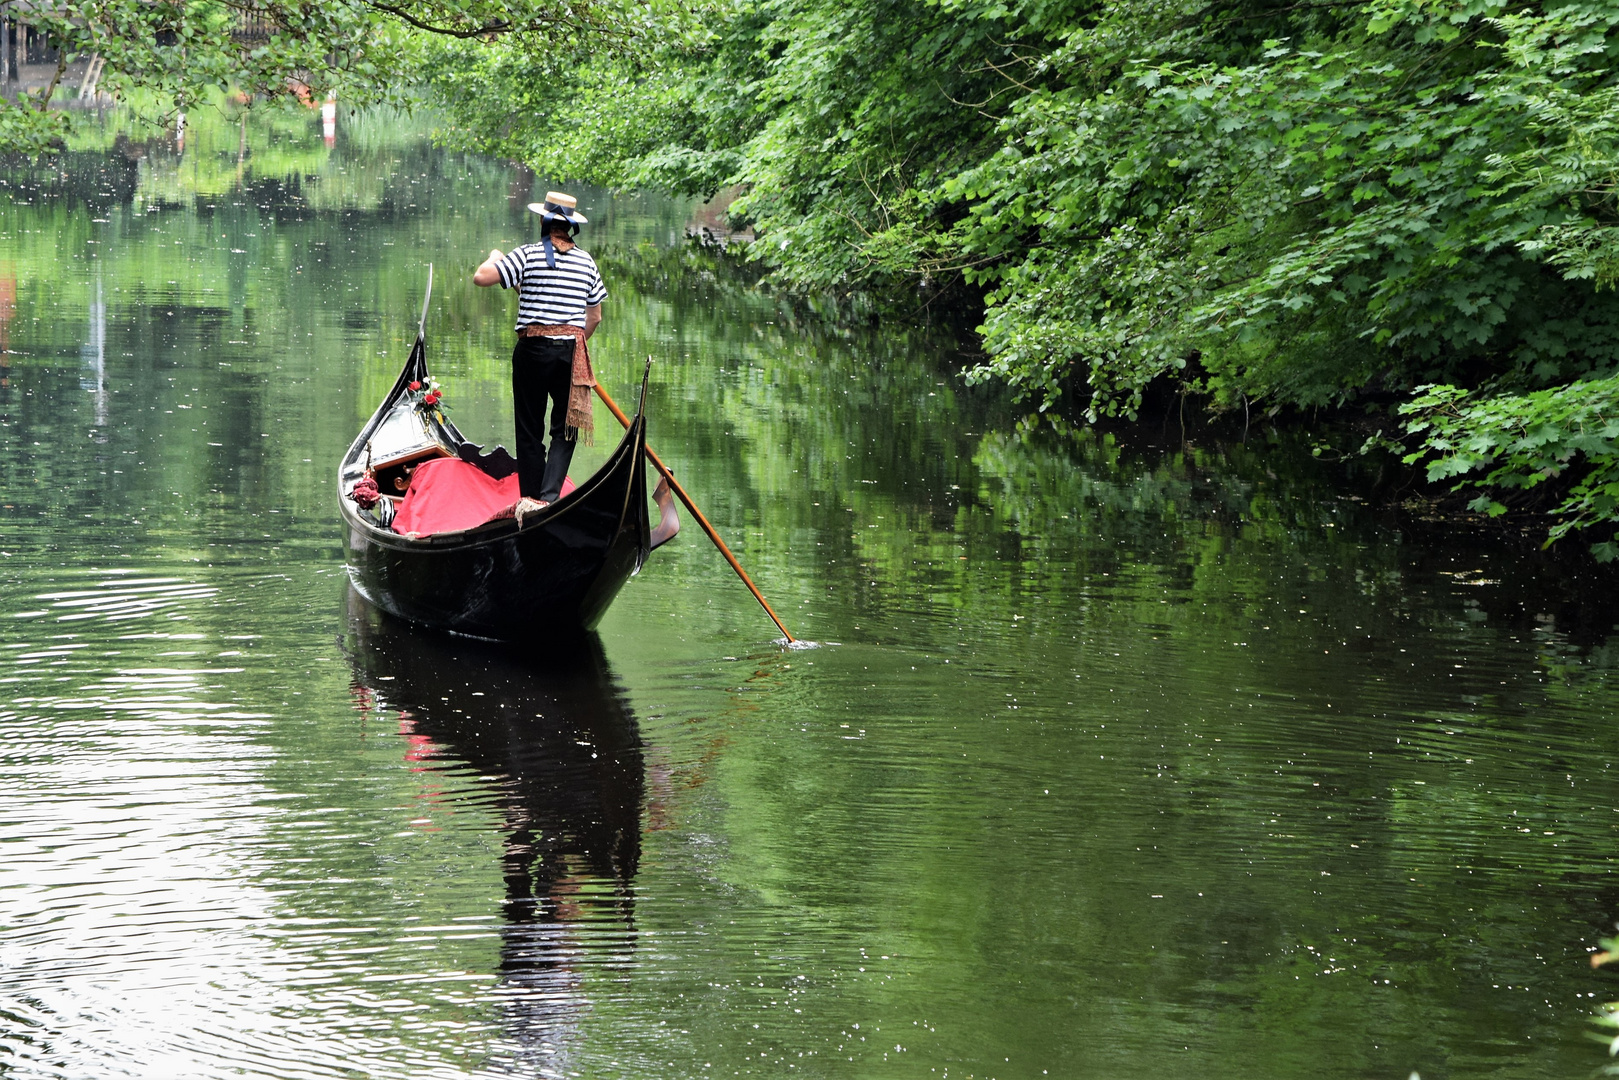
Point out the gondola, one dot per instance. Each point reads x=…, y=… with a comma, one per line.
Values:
x=555, y=571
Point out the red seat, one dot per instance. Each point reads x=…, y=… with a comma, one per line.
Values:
x=450, y=495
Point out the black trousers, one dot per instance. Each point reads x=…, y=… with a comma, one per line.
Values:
x=542, y=373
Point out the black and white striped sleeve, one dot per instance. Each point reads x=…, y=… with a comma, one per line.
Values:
x=512, y=266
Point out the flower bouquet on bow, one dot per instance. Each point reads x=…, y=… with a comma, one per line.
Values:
x=427, y=398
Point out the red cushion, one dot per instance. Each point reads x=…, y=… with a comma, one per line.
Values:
x=449, y=495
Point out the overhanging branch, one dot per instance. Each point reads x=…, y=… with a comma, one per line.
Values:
x=488, y=29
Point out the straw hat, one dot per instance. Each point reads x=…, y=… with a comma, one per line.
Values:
x=558, y=205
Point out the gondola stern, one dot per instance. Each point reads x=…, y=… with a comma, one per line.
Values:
x=643, y=524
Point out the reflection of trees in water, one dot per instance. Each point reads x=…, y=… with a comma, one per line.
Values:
x=552, y=736
x=74, y=179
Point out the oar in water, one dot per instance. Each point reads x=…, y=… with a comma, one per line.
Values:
x=674, y=486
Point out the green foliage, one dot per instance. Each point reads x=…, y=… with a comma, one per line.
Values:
x=30, y=129
x=559, y=105
x=838, y=120
x=1345, y=206
x=179, y=52
x=1519, y=442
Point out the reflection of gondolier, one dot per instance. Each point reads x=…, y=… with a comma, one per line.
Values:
x=559, y=296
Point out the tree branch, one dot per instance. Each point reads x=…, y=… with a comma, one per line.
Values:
x=486, y=30
x=61, y=66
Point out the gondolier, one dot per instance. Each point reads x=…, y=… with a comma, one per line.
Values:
x=559, y=297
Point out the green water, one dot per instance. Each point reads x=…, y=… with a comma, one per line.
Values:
x=1118, y=758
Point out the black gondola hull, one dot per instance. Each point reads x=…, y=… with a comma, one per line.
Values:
x=554, y=574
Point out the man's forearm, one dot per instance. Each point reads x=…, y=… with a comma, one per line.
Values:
x=487, y=273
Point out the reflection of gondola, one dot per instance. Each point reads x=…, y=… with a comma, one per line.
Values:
x=557, y=570
x=556, y=741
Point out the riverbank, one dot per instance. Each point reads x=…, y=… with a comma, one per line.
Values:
x=1357, y=446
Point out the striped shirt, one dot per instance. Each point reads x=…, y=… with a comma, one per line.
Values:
x=551, y=297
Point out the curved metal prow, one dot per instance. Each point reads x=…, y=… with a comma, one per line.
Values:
x=421, y=327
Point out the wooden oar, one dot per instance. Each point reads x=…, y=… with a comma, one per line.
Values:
x=674, y=485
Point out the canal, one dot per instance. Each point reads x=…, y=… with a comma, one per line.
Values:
x=1119, y=755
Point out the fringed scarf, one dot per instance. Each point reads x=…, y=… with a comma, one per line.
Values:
x=580, y=413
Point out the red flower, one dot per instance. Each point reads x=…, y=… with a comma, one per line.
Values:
x=415, y=386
